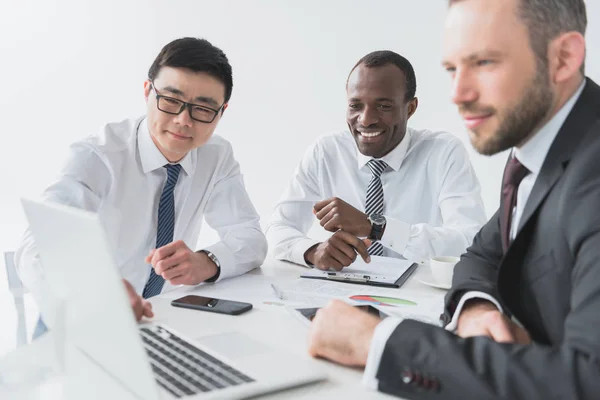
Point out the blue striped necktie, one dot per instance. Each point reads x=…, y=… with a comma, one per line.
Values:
x=166, y=225
x=374, y=203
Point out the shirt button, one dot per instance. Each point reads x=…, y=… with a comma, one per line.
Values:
x=407, y=376
x=426, y=383
x=418, y=379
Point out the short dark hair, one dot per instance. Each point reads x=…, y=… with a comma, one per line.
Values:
x=198, y=55
x=546, y=19
x=383, y=57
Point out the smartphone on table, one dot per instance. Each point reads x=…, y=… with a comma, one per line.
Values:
x=211, y=304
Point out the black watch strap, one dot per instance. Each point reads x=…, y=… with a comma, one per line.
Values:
x=217, y=263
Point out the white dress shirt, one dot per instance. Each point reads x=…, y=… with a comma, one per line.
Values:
x=532, y=155
x=432, y=200
x=119, y=174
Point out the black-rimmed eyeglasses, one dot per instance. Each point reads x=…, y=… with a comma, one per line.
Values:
x=174, y=106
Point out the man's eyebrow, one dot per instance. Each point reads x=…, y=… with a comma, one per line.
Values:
x=476, y=55
x=173, y=90
x=357, y=100
x=209, y=100
x=446, y=63
x=484, y=54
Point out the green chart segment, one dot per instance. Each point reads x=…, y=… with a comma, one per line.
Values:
x=382, y=300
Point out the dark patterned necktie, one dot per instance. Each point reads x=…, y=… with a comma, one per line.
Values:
x=165, y=228
x=513, y=175
x=374, y=204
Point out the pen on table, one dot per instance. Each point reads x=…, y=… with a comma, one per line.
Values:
x=277, y=292
x=335, y=275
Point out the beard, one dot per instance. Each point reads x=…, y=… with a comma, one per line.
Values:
x=521, y=120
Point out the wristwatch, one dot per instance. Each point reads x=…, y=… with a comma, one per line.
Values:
x=377, y=226
x=217, y=263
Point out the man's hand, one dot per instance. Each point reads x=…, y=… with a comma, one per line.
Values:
x=337, y=252
x=482, y=318
x=141, y=308
x=342, y=333
x=179, y=265
x=335, y=214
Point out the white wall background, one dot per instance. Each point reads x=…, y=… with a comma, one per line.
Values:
x=69, y=66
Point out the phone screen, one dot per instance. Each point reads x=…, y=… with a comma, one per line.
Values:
x=198, y=301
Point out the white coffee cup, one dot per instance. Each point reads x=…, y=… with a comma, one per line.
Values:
x=442, y=268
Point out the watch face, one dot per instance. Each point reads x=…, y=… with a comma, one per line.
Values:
x=378, y=219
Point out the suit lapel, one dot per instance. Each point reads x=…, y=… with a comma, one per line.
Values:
x=575, y=127
x=552, y=170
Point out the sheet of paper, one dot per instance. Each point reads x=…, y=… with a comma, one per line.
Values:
x=427, y=309
x=380, y=269
x=395, y=302
x=311, y=292
x=291, y=298
x=321, y=288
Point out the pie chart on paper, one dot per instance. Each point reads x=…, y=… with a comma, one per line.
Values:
x=382, y=300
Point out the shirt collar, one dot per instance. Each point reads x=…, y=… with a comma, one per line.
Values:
x=533, y=153
x=151, y=157
x=394, y=158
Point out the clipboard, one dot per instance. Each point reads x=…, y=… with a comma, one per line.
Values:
x=364, y=279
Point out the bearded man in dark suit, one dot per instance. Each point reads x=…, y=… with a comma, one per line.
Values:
x=522, y=318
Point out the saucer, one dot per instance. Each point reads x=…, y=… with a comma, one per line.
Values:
x=435, y=284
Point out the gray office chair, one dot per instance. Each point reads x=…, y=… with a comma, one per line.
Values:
x=18, y=291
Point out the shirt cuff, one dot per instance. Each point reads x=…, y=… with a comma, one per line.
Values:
x=299, y=248
x=226, y=259
x=468, y=296
x=382, y=333
x=396, y=235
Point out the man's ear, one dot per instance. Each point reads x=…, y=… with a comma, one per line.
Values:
x=224, y=107
x=147, y=89
x=412, y=106
x=566, y=55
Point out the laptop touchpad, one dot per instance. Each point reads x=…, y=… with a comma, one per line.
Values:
x=233, y=345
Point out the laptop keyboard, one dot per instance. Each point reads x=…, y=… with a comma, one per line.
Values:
x=184, y=370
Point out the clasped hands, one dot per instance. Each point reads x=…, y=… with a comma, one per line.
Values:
x=348, y=225
x=478, y=318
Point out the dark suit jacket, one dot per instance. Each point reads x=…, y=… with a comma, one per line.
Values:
x=549, y=280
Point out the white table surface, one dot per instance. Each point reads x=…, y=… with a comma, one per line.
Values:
x=272, y=325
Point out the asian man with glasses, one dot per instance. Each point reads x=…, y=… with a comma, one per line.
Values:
x=153, y=179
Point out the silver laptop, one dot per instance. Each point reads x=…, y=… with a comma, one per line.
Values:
x=147, y=361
